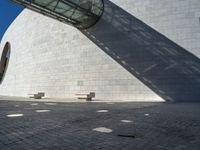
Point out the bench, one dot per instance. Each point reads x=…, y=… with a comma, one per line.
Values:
x=39, y=95
x=87, y=96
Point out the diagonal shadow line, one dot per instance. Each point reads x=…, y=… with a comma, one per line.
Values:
x=165, y=67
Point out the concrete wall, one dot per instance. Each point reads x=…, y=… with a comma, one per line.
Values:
x=179, y=20
x=59, y=60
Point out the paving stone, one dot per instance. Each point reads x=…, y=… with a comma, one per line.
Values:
x=69, y=126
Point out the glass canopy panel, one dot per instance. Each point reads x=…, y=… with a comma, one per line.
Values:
x=79, y=13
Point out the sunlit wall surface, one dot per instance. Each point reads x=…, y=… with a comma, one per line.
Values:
x=79, y=13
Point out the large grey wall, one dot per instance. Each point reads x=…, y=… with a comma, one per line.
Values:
x=49, y=56
x=179, y=20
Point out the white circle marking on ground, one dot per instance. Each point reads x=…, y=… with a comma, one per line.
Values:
x=126, y=121
x=41, y=111
x=102, y=130
x=15, y=115
x=102, y=111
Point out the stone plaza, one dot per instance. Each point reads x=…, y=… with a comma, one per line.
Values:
x=41, y=125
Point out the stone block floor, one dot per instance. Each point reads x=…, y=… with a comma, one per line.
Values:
x=99, y=126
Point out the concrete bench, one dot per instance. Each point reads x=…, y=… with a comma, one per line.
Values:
x=87, y=96
x=39, y=95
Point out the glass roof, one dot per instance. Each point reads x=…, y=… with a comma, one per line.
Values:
x=79, y=13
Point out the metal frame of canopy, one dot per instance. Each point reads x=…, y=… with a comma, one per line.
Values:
x=79, y=13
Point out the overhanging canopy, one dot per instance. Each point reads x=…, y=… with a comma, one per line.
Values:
x=79, y=13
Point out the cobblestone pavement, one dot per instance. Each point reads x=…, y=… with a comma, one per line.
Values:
x=99, y=126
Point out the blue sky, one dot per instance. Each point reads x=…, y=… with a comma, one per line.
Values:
x=8, y=12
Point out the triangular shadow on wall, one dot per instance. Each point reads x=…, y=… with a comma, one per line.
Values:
x=165, y=67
